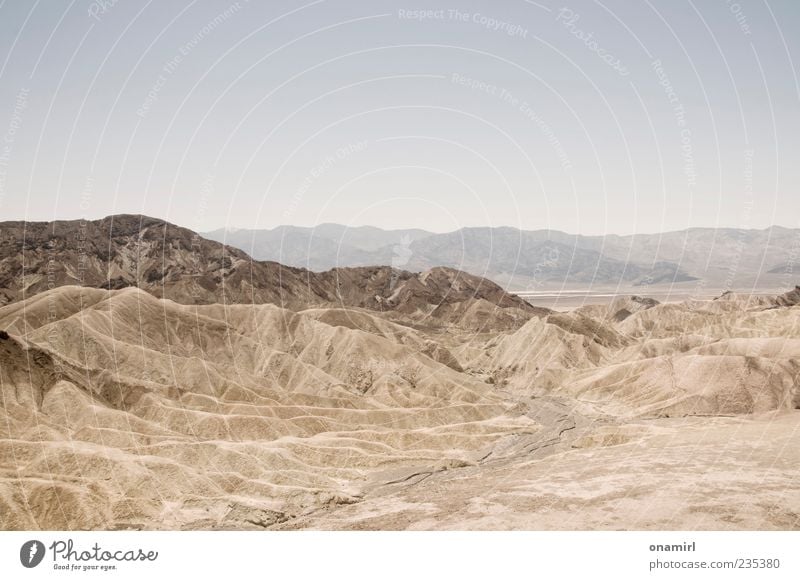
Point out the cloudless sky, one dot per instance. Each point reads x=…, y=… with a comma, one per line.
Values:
x=590, y=117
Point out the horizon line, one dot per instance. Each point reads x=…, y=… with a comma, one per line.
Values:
x=399, y=229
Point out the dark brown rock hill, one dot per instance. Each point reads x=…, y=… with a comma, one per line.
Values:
x=176, y=263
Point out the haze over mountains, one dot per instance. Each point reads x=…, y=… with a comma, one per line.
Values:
x=152, y=379
x=723, y=258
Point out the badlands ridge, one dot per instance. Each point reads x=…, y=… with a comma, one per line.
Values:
x=152, y=379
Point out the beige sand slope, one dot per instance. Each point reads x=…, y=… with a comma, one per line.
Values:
x=123, y=410
x=139, y=412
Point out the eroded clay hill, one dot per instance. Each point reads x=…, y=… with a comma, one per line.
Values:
x=371, y=398
x=140, y=412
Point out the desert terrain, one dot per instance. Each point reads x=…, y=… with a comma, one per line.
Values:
x=153, y=379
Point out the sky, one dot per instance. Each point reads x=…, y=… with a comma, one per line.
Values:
x=590, y=117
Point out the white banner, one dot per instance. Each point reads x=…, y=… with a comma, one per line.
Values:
x=375, y=555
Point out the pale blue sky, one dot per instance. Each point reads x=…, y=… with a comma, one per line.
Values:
x=254, y=114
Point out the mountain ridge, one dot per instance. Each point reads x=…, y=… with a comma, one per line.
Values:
x=176, y=263
x=532, y=259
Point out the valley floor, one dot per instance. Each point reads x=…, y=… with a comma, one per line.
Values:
x=699, y=473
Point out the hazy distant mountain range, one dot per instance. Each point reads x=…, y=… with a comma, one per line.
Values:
x=518, y=259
